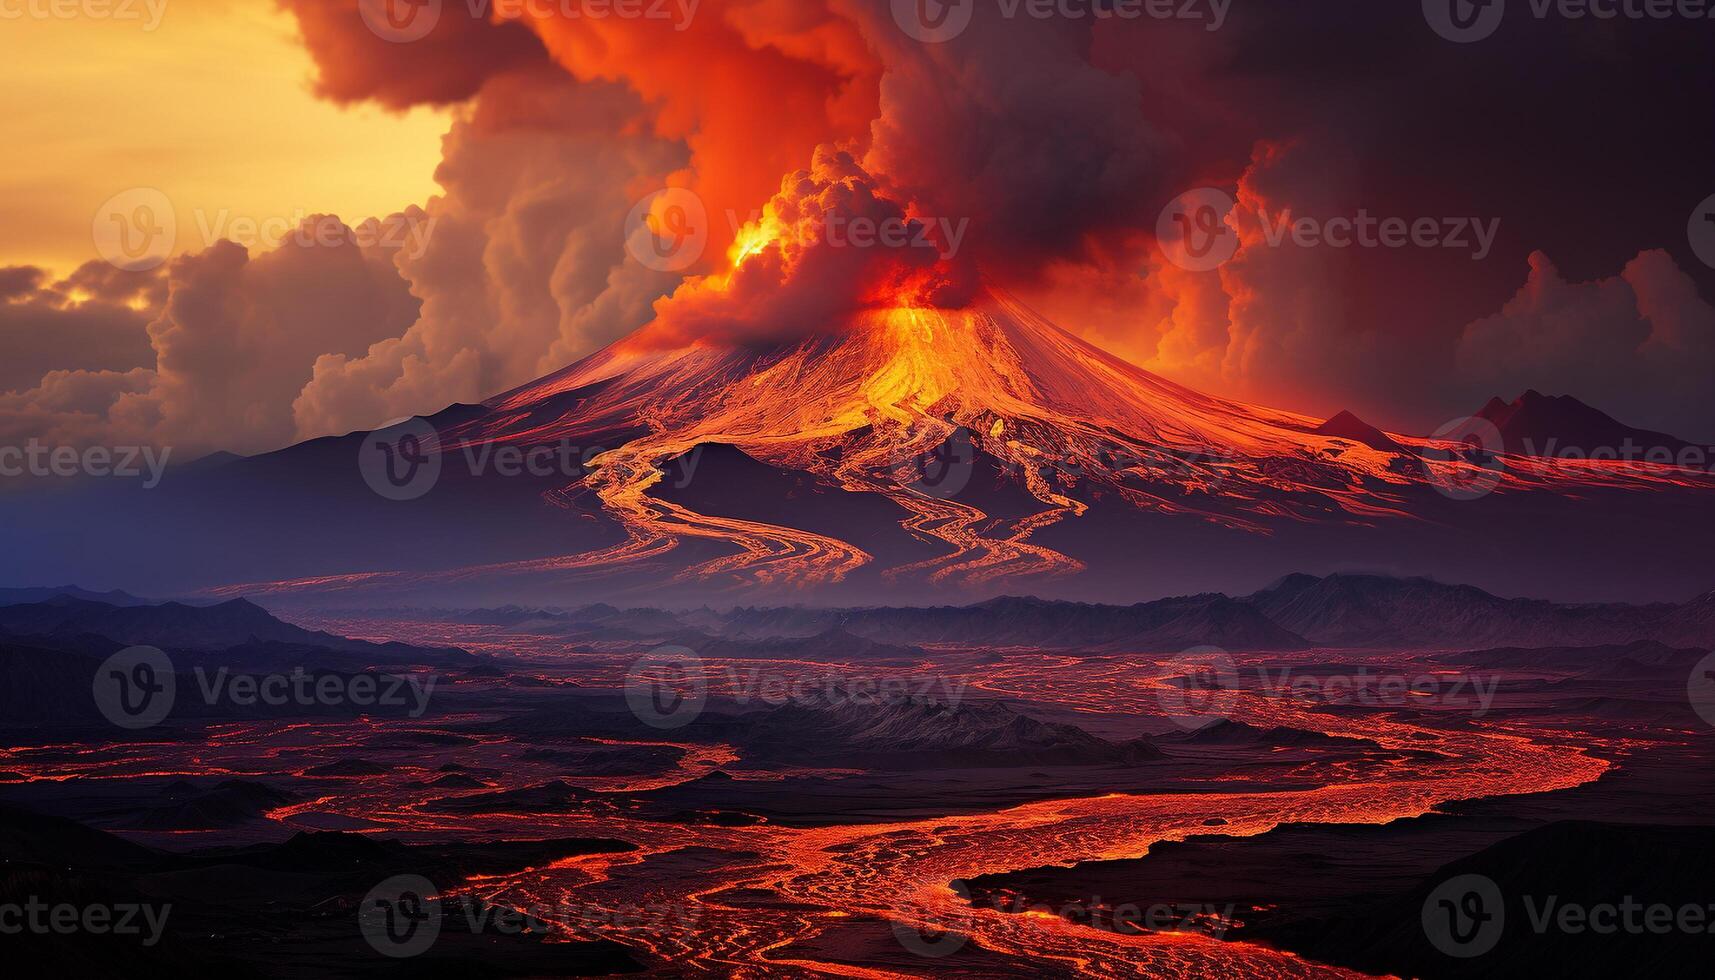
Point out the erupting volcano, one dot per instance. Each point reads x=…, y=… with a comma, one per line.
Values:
x=958, y=448
x=903, y=403
x=880, y=489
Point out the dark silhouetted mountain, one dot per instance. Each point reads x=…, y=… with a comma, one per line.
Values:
x=1299, y=611
x=1374, y=610
x=833, y=644
x=1691, y=624
x=1637, y=660
x=600, y=759
x=346, y=769
x=937, y=733
x=1166, y=624
x=227, y=804
x=1560, y=425
x=1237, y=733
x=551, y=797
x=115, y=597
x=723, y=480
x=38, y=838
x=39, y=685
x=1348, y=426
x=455, y=781
x=221, y=627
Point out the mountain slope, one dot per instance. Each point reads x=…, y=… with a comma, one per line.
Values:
x=980, y=450
x=1374, y=610
x=222, y=626
x=1535, y=424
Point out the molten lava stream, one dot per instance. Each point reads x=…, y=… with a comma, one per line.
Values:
x=901, y=871
x=748, y=901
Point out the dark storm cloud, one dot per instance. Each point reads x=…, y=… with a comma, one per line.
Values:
x=449, y=64
x=81, y=323
x=1588, y=140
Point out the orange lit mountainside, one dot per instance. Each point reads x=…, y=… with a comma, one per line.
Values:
x=979, y=450
x=913, y=453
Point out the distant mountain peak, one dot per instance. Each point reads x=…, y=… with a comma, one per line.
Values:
x=1347, y=425
x=1535, y=424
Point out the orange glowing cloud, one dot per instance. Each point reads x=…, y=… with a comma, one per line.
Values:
x=829, y=244
x=750, y=86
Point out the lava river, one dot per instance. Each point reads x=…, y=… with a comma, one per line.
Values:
x=767, y=901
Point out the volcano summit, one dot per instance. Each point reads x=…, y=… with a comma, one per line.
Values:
x=918, y=450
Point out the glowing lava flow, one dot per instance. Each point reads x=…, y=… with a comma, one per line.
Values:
x=770, y=901
x=993, y=391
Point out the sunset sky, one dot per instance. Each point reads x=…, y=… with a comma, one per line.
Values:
x=214, y=107
x=1056, y=144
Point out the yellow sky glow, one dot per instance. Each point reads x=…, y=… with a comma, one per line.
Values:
x=213, y=108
